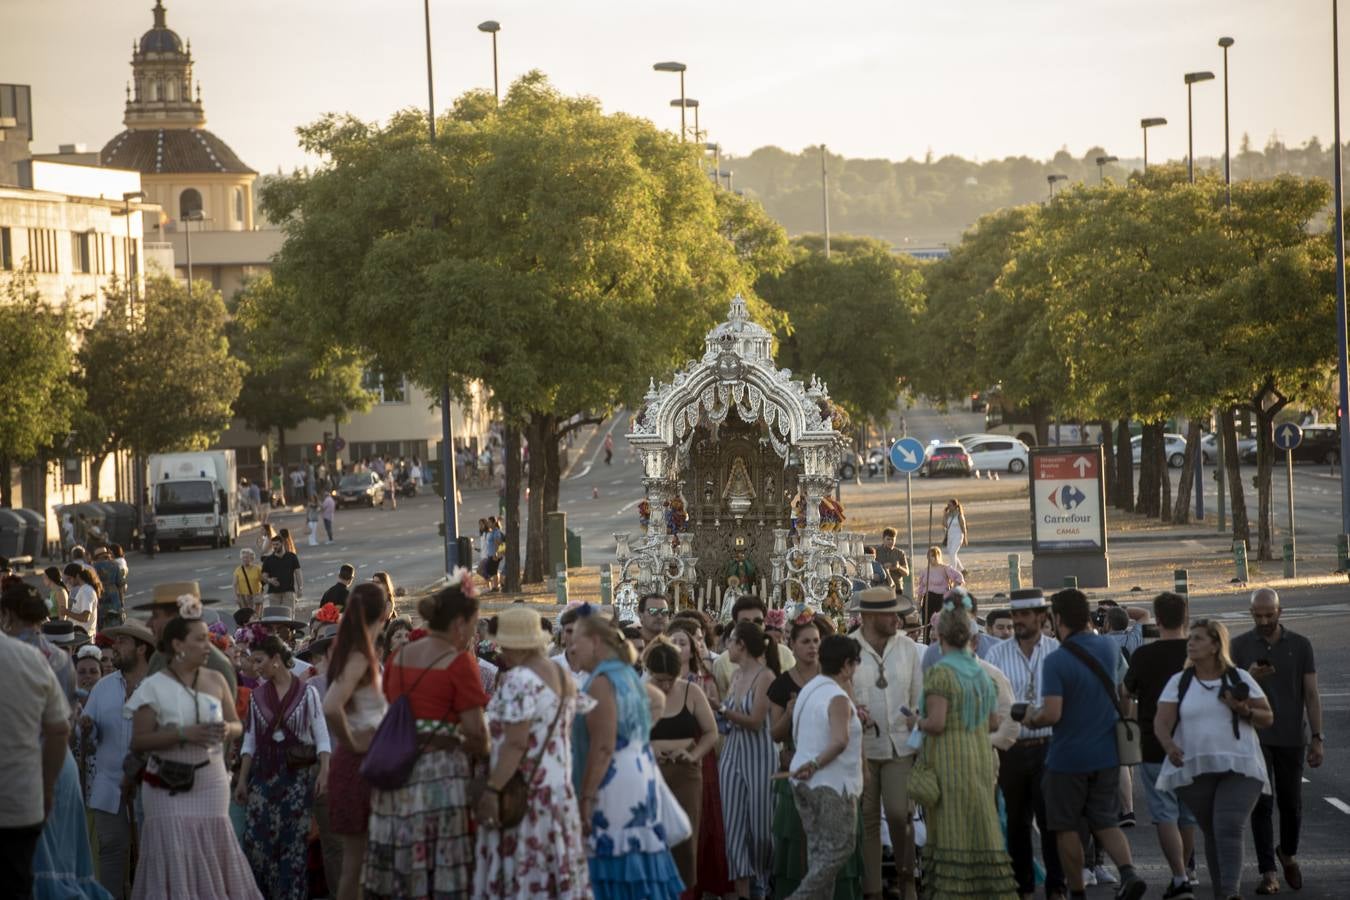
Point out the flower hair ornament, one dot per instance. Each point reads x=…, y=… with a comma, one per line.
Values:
x=961, y=594
x=189, y=607
x=250, y=634
x=804, y=614
x=217, y=629
x=328, y=613
x=775, y=618
x=462, y=578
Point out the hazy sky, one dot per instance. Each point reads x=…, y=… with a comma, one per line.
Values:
x=979, y=78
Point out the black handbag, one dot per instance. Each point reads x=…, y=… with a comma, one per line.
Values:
x=176, y=777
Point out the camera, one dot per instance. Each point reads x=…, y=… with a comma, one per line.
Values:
x=1019, y=711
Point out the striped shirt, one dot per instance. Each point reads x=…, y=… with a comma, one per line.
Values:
x=1024, y=674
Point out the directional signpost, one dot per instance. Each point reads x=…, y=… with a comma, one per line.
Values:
x=1287, y=437
x=907, y=456
x=1068, y=516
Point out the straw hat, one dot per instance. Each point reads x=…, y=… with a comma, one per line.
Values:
x=167, y=594
x=879, y=600
x=133, y=630
x=518, y=628
x=1027, y=598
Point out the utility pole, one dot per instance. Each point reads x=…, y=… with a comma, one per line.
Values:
x=825, y=198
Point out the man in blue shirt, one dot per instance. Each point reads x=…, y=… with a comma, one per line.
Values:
x=1082, y=777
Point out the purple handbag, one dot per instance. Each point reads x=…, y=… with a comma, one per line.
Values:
x=394, y=748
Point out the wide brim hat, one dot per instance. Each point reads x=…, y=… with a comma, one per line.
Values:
x=1027, y=598
x=278, y=615
x=518, y=628
x=324, y=638
x=65, y=633
x=167, y=594
x=880, y=600
x=133, y=630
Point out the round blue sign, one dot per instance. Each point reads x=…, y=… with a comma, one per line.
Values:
x=907, y=455
x=1288, y=436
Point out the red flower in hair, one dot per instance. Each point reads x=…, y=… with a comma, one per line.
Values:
x=328, y=613
x=416, y=634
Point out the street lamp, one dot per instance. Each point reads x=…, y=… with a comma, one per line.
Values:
x=188, y=218
x=675, y=67
x=1052, y=179
x=1146, y=124
x=689, y=103
x=127, y=197
x=491, y=27
x=1221, y=473
x=1338, y=223
x=717, y=160
x=1101, y=163
x=726, y=173
x=1192, y=78
x=825, y=205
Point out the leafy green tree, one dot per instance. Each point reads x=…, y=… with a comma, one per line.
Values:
x=161, y=379
x=285, y=382
x=560, y=255
x=40, y=397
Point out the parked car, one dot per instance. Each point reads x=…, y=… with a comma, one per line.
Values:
x=1320, y=444
x=947, y=459
x=1001, y=454
x=1209, y=448
x=976, y=437
x=1175, y=449
x=360, y=489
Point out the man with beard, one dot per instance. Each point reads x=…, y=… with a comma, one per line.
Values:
x=1021, y=766
x=1282, y=663
x=109, y=731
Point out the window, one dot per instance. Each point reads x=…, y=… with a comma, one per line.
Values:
x=42, y=251
x=6, y=249
x=239, y=205
x=79, y=252
x=386, y=388
x=190, y=201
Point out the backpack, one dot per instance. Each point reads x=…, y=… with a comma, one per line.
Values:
x=1229, y=679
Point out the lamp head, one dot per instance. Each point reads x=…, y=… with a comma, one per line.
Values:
x=1053, y=178
x=669, y=67
x=1149, y=123
x=1226, y=42
x=489, y=27
x=133, y=195
x=1193, y=77
x=712, y=146
x=689, y=102
x=1103, y=160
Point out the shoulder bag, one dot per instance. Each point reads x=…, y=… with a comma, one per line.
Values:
x=172, y=775
x=1128, y=737
x=394, y=748
x=513, y=798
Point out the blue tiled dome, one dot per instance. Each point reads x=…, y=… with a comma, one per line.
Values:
x=161, y=40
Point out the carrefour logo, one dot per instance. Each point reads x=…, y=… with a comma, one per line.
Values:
x=1067, y=498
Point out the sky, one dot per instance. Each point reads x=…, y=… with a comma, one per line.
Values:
x=977, y=78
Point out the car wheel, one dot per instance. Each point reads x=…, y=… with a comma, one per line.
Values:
x=1176, y=460
x=847, y=471
x=1017, y=467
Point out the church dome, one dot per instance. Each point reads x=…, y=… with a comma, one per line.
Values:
x=161, y=40
x=159, y=151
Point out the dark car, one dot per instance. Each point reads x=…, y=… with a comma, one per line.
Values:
x=360, y=489
x=948, y=459
x=1320, y=444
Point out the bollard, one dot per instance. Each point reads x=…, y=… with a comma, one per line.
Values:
x=1240, y=576
x=1014, y=571
x=1343, y=553
x=561, y=583
x=607, y=585
x=1071, y=581
x=1290, y=566
x=1179, y=582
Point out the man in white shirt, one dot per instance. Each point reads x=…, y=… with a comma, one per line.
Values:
x=748, y=608
x=33, y=746
x=886, y=686
x=1021, y=766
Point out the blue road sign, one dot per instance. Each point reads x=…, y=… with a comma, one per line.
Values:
x=1288, y=436
x=907, y=455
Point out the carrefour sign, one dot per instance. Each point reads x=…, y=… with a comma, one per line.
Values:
x=1067, y=499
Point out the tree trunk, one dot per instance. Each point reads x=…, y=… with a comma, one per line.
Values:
x=1124, y=467
x=1181, y=513
x=539, y=431
x=1147, y=503
x=95, y=474
x=1108, y=460
x=1265, y=461
x=1241, y=527
x=280, y=462
x=553, y=477
x=6, y=482
x=1040, y=419
x=511, y=459
x=1164, y=473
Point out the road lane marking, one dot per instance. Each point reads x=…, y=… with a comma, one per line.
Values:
x=1339, y=804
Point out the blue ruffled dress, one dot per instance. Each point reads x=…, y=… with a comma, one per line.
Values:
x=627, y=848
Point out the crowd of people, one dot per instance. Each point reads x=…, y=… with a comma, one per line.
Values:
x=781, y=753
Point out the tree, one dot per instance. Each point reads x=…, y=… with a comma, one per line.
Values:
x=560, y=255
x=285, y=382
x=160, y=380
x=40, y=397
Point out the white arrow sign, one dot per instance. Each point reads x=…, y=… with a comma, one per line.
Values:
x=1287, y=434
x=1082, y=465
x=907, y=455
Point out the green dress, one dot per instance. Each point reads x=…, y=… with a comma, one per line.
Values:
x=965, y=855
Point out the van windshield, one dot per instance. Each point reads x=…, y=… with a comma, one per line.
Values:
x=184, y=498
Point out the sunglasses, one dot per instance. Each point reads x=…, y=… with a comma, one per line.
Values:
x=663, y=613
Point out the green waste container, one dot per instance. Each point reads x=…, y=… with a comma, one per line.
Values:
x=573, y=549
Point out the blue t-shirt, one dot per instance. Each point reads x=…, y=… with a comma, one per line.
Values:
x=1085, y=735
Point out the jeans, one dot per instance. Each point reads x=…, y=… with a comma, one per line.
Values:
x=1021, y=769
x=114, y=849
x=328, y=527
x=1222, y=803
x=829, y=840
x=1284, y=765
x=887, y=783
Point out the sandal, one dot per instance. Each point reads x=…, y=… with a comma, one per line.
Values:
x=1268, y=885
x=1293, y=875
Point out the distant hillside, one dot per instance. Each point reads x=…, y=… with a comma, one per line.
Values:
x=932, y=202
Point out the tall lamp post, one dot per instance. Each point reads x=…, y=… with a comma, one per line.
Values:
x=127, y=197
x=689, y=103
x=1101, y=165
x=1146, y=124
x=825, y=200
x=1221, y=475
x=187, y=219
x=717, y=161
x=451, y=509
x=491, y=27
x=1343, y=421
x=1051, y=179
x=1191, y=79
x=675, y=67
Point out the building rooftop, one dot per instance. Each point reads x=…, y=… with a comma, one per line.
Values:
x=172, y=150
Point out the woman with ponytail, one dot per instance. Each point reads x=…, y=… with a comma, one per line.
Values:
x=614, y=771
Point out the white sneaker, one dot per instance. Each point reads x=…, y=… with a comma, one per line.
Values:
x=1104, y=875
x=1089, y=879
